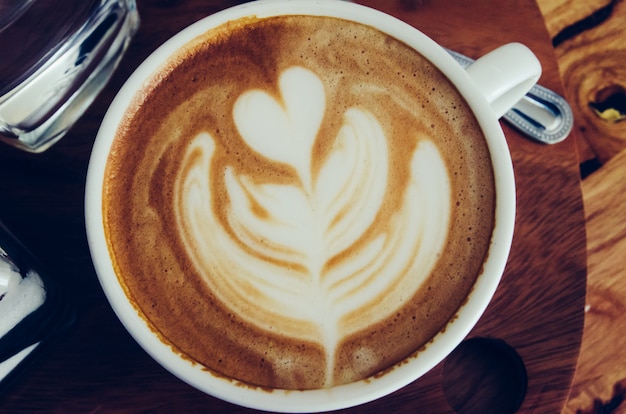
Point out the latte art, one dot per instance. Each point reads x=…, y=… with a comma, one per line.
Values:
x=298, y=202
x=282, y=263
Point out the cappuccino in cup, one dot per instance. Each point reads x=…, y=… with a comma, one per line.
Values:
x=296, y=201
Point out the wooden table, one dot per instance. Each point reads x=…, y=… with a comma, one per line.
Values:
x=524, y=349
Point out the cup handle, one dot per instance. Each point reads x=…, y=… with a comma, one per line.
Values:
x=505, y=75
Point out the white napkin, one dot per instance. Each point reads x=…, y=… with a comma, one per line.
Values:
x=18, y=298
x=9, y=365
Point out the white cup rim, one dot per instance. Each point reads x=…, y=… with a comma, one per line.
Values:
x=341, y=396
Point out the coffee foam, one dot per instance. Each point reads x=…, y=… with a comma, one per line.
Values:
x=284, y=240
x=272, y=243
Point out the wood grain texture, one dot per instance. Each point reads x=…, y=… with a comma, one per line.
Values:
x=591, y=51
x=589, y=40
x=600, y=381
x=536, y=316
x=562, y=14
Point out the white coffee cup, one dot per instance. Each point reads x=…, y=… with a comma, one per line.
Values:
x=491, y=86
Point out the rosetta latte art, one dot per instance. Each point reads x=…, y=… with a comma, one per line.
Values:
x=279, y=260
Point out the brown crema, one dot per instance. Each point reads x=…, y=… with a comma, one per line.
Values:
x=194, y=93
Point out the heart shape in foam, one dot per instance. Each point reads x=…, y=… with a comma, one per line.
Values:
x=284, y=131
